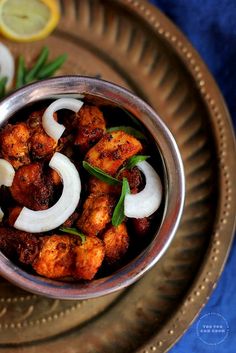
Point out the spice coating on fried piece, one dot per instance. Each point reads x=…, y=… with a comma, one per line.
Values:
x=14, y=144
x=41, y=144
x=116, y=241
x=56, y=257
x=112, y=150
x=89, y=257
x=90, y=125
x=31, y=188
x=97, y=213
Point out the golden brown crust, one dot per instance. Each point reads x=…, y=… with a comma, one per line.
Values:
x=89, y=257
x=96, y=186
x=14, y=143
x=56, y=256
x=30, y=188
x=112, y=151
x=65, y=256
x=90, y=126
x=55, y=177
x=41, y=144
x=97, y=213
x=116, y=241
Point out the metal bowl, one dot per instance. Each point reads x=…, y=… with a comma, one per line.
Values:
x=99, y=90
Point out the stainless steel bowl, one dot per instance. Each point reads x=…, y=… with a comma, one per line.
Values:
x=99, y=90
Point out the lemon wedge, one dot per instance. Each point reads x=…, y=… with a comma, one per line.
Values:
x=28, y=20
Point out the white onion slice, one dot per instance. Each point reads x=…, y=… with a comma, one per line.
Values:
x=53, y=217
x=7, y=174
x=147, y=201
x=7, y=65
x=1, y=214
x=50, y=125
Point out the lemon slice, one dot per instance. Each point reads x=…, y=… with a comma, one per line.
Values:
x=28, y=20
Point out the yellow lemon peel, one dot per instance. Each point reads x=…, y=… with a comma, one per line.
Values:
x=26, y=21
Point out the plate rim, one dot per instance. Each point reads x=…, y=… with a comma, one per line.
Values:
x=212, y=266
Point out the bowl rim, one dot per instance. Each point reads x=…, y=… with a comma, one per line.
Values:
x=130, y=273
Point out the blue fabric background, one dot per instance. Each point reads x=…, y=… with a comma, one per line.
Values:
x=210, y=25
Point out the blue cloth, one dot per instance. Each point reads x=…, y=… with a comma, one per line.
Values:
x=210, y=26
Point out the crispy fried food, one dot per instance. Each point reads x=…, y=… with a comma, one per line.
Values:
x=71, y=220
x=63, y=255
x=56, y=256
x=31, y=188
x=89, y=257
x=141, y=226
x=13, y=214
x=55, y=177
x=116, y=241
x=97, y=212
x=112, y=151
x=42, y=145
x=97, y=186
x=14, y=144
x=15, y=242
x=90, y=126
x=134, y=178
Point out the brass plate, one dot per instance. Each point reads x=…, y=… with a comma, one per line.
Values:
x=133, y=44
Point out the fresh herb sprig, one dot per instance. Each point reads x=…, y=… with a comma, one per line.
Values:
x=118, y=214
x=100, y=174
x=132, y=162
x=49, y=69
x=40, y=70
x=41, y=60
x=73, y=231
x=20, y=72
x=129, y=130
x=3, y=82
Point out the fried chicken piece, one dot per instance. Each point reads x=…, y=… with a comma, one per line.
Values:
x=141, y=226
x=56, y=256
x=112, y=150
x=90, y=126
x=55, y=177
x=13, y=214
x=63, y=256
x=31, y=188
x=134, y=178
x=97, y=186
x=41, y=144
x=116, y=241
x=89, y=257
x=97, y=213
x=14, y=243
x=14, y=144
